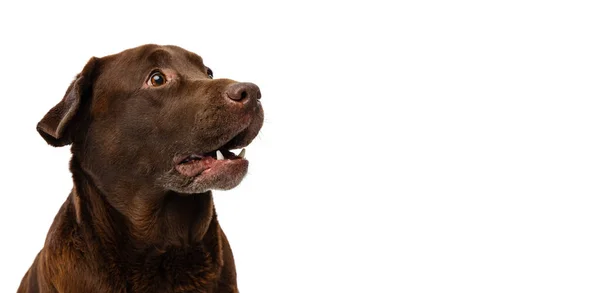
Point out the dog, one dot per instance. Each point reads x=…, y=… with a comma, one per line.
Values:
x=151, y=134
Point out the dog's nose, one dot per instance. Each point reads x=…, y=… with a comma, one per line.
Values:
x=242, y=91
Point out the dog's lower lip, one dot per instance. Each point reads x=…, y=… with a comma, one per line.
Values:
x=196, y=164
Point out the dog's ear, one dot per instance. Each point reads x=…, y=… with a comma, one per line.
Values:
x=53, y=127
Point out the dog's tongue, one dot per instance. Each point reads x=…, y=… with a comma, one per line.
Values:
x=195, y=167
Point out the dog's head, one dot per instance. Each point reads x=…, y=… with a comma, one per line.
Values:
x=154, y=117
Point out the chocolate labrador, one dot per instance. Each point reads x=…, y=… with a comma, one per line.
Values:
x=151, y=133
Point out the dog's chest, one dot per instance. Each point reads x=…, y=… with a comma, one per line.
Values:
x=176, y=270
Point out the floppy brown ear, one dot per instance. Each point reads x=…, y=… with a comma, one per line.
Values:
x=53, y=127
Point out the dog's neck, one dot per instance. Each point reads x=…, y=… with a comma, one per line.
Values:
x=147, y=220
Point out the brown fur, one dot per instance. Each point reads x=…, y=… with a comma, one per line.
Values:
x=132, y=223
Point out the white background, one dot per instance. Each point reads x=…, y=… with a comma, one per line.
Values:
x=415, y=146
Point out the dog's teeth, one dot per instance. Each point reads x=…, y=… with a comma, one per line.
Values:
x=220, y=155
x=242, y=153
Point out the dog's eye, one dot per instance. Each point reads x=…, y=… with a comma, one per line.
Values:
x=209, y=72
x=157, y=79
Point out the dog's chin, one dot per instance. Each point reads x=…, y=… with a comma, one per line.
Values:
x=221, y=175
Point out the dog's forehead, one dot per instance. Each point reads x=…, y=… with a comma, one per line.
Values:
x=158, y=55
x=189, y=56
x=124, y=69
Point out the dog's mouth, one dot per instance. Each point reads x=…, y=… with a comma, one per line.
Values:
x=212, y=162
x=222, y=168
